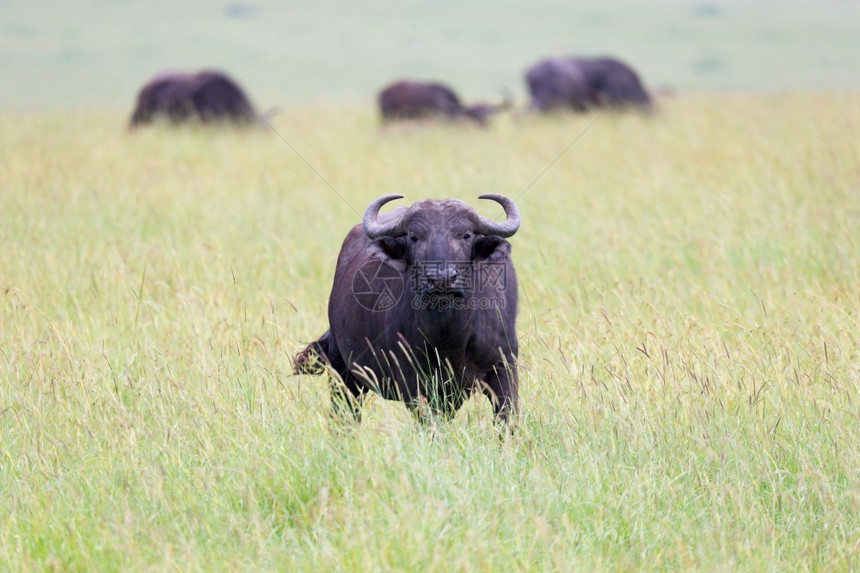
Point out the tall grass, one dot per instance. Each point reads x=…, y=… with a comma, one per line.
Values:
x=690, y=286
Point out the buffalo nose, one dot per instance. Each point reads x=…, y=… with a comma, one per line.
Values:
x=443, y=278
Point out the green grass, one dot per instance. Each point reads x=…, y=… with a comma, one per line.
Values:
x=690, y=346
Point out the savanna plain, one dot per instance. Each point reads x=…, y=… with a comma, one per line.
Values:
x=689, y=328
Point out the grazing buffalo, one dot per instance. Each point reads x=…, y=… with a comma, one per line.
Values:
x=417, y=100
x=583, y=83
x=422, y=310
x=205, y=96
x=556, y=84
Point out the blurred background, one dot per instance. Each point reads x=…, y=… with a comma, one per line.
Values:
x=97, y=53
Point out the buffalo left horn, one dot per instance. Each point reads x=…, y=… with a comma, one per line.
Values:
x=373, y=228
x=501, y=228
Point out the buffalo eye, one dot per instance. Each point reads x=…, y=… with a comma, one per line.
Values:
x=467, y=236
x=413, y=238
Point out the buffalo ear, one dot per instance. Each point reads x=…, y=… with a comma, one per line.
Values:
x=388, y=249
x=491, y=248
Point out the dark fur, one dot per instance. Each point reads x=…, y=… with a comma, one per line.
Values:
x=418, y=100
x=580, y=84
x=614, y=83
x=431, y=359
x=556, y=84
x=205, y=96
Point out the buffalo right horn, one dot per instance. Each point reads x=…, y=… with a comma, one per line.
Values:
x=374, y=229
x=502, y=229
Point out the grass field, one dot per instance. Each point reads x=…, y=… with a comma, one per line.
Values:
x=690, y=345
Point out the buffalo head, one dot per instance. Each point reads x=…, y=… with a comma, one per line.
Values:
x=439, y=240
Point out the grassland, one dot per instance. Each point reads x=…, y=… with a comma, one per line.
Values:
x=690, y=345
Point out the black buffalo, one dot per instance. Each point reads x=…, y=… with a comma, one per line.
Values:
x=206, y=96
x=581, y=84
x=422, y=310
x=419, y=100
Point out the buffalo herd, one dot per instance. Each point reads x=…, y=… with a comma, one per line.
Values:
x=554, y=84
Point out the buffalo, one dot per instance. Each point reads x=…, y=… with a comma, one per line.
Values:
x=580, y=84
x=422, y=310
x=420, y=100
x=207, y=96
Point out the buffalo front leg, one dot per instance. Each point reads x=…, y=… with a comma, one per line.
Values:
x=346, y=399
x=501, y=387
x=346, y=395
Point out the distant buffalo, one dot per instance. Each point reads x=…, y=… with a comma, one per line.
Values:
x=581, y=84
x=422, y=310
x=418, y=100
x=207, y=96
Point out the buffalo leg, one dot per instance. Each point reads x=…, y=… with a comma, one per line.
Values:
x=501, y=387
x=346, y=400
x=316, y=355
x=346, y=394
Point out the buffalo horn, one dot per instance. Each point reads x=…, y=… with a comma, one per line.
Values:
x=374, y=229
x=488, y=226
